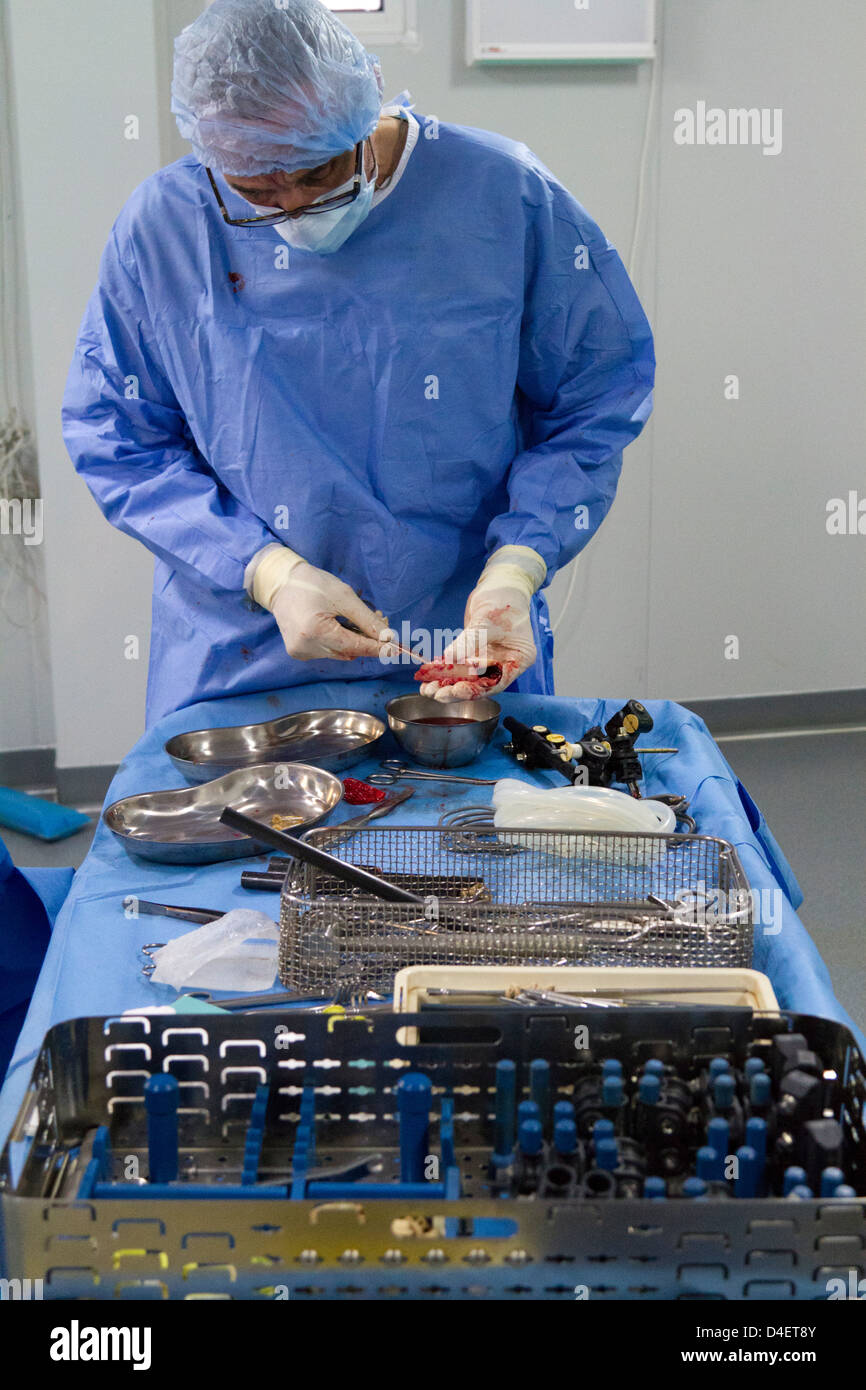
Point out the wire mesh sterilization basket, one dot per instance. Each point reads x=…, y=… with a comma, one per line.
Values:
x=529, y=897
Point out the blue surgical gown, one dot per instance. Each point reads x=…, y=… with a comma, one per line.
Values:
x=462, y=374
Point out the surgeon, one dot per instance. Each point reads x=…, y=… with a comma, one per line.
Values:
x=346, y=363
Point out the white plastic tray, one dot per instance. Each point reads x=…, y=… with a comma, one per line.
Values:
x=722, y=986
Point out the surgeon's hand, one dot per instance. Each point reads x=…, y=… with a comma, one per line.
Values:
x=496, y=645
x=306, y=603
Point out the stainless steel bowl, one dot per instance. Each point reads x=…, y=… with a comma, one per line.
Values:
x=330, y=738
x=183, y=827
x=442, y=745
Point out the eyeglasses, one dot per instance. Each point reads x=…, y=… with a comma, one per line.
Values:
x=270, y=219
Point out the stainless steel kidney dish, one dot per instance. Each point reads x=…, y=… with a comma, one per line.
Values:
x=183, y=827
x=330, y=738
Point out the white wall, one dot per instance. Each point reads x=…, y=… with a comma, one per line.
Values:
x=26, y=711
x=748, y=264
x=761, y=270
x=79, y=70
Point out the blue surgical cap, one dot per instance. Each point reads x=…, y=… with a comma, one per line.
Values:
x=272, y=84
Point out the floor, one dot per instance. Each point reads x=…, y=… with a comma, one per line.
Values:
x=812, y=791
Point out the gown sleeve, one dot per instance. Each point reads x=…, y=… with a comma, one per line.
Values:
x=584, y=384
x=128, y=438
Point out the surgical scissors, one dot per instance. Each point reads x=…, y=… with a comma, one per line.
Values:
x=392, y=770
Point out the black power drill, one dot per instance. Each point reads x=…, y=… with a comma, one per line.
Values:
x=600, y=758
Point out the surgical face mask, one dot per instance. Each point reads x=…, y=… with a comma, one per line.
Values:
x=325, y=232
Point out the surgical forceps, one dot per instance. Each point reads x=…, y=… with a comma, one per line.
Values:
x=391, y=770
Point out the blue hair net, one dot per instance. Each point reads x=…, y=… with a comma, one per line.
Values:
x=272, y=84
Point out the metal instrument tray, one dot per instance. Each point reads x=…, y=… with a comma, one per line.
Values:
x=331, y=738
x=92, y=1072
x=183, y=826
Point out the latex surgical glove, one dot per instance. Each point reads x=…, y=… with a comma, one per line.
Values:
x=306, y=603
x=496, y=644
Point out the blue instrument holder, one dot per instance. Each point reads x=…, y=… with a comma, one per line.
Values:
x=282, y=1165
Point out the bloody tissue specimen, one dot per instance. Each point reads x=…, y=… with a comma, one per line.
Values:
x=359, y=793
x=443, y=674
